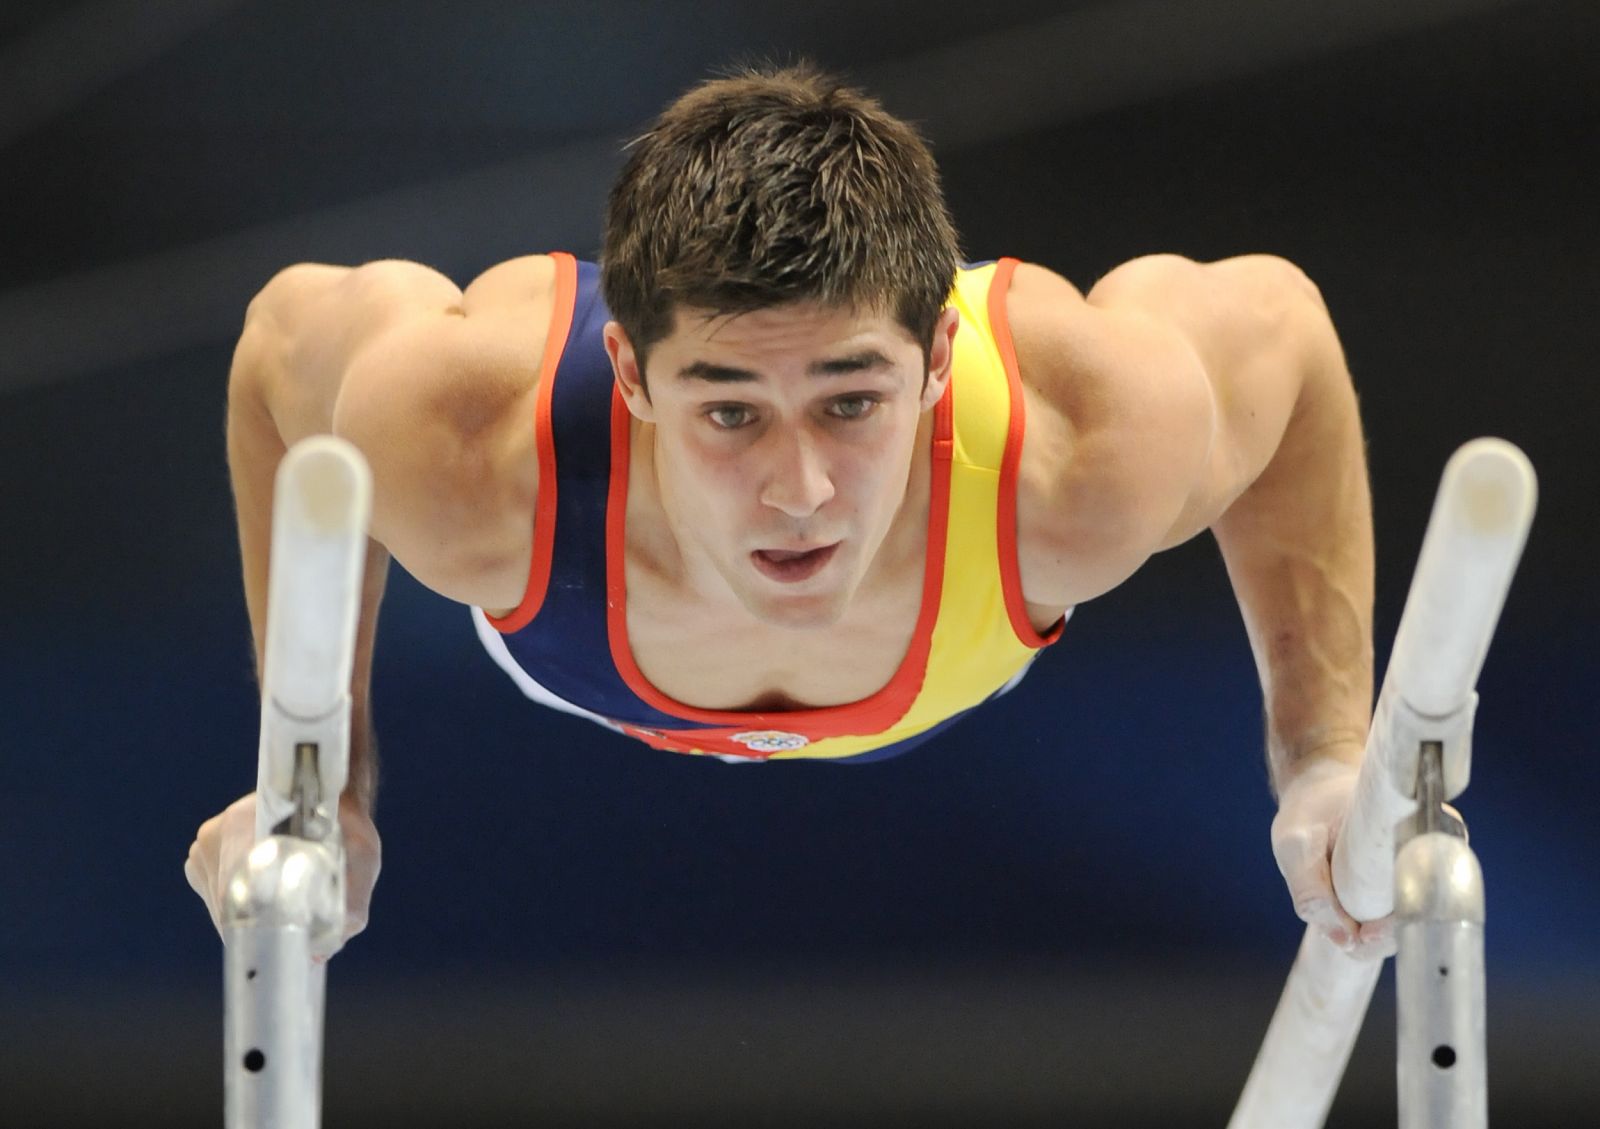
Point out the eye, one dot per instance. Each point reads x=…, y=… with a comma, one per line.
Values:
x=728, y=417
x=854, y=407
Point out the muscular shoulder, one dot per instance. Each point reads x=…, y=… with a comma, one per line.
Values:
x=1119, y=420
x=1153, y=401
x=454, y=360
x=441, y=402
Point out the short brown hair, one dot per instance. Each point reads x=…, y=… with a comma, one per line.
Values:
x=774, y=186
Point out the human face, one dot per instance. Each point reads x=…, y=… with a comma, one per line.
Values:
x=782, y=431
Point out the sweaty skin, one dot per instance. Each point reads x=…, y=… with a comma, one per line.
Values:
x=1173, y=398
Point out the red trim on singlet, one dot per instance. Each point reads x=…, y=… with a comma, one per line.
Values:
x=544, y=515
x=1010, y=464
x=870, y=715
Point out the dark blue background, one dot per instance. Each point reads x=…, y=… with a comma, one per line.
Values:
x=1111, y=813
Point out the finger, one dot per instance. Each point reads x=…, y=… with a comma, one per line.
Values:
x=1369, y=950
x=1336, y=925
x=202, y=879
x=1303, y=860
x=328, y=946
x=236, y=839
x=1316, y=905
x=323, y=956
x=191, y=871
x=1378, y=939
x=355, y=918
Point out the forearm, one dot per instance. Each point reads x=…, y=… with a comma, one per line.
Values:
x=361, y=789
x=1298, y=548
x=362, y=784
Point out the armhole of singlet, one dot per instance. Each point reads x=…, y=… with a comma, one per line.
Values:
x=544, y=515
x=1010, y=464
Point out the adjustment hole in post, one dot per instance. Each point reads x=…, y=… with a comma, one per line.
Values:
x=1444, y=970
x=1444, y=1057
x=251, y=975
x=254, y=1060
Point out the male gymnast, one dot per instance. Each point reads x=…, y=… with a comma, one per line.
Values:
x=783, y=478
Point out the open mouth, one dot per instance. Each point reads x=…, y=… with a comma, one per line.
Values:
x=789, y=567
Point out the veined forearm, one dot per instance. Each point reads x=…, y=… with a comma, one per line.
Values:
x=1298, y=548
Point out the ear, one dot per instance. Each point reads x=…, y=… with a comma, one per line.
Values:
x=630, y=378
x=941, y=356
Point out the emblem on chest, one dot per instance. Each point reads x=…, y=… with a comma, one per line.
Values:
x=771, y=740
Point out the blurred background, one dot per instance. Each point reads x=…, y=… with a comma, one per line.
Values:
x=1065, y=911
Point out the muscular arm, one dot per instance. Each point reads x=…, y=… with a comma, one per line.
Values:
x=1179, y=397
x=1298, y=548
x=433, y=385
x=300, y=337
x=265, y=382
x=429, y=383
x=1282, y=486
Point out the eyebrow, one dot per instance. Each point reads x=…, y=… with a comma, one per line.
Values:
x=867, y=360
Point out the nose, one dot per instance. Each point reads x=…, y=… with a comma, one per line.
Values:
x=797, y=480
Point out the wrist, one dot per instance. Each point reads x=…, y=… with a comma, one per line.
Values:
x=1336, y=757
x=355, y=799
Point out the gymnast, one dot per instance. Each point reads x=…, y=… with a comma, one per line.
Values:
x=783, y=477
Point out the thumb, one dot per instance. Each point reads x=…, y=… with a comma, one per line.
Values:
x=237, y=838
